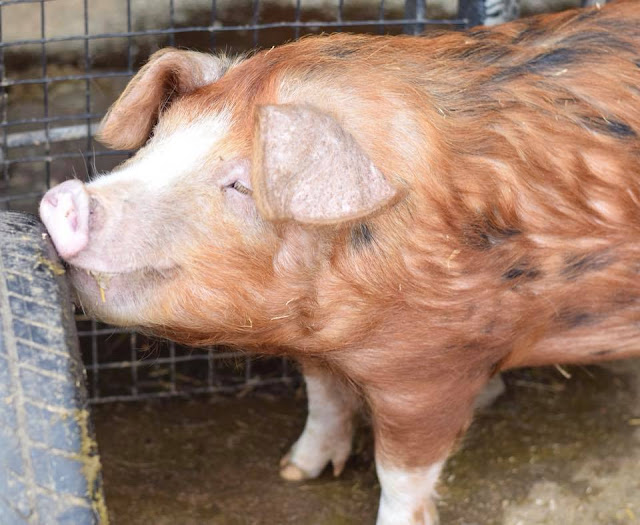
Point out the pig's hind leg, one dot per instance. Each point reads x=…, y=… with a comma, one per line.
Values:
x=328, y=432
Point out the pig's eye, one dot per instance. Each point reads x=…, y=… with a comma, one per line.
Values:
x=241, y=188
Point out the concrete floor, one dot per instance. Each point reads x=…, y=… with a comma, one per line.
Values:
x=552, y=450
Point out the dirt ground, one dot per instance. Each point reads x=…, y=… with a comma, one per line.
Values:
x=552, y=450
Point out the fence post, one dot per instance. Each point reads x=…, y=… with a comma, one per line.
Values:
x=415, y=10
x=473, y=11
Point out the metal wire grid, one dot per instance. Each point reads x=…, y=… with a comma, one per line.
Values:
x=50, y=144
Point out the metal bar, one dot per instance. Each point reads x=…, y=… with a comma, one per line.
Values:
x=212, y=22
x=47, y=147
x=129, y=40
x=298, y=13
x=6, y=199
x=255, y=17
x=172, y=34
x=87, y=87
x=133, y=338
x=247, y=369
x=39, y=137
x=4, y=100
x=416, y=10
x=9, y=2
x=51, y=80
x=193, y=391
x=241, y=27
x=172, y=365
x=211, y=371
x=472, y=11
x=119, y=365
x=104, y=331
x=67, y=155
x=133, y=357
x=59, y=118
x=381, y=28
x=95, y=368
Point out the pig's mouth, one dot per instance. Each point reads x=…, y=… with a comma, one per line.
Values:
x=117, y=296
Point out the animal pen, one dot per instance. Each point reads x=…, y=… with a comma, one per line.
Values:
x=63, y=62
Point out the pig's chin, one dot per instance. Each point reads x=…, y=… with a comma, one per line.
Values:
x=118, y=298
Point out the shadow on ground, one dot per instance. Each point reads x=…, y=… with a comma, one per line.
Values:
x=552, y=450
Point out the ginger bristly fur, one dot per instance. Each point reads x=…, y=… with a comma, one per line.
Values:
x=516, y=240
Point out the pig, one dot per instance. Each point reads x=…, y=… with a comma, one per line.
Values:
x=404, y=216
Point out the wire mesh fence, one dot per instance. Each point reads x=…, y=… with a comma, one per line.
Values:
x=63, y=62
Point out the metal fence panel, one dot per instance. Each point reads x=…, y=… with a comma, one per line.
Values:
x=63, y=62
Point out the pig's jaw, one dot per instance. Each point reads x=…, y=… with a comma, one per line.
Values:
x=117, y=298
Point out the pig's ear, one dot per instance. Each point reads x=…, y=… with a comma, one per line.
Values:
x=168, y=73
x=307, y=168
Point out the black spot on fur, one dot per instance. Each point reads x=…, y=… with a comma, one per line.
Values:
x=341, y=51
x=480, y=34
x=609, y=126
x=601, y=41
x=521, y=271
x=603, y=352
x=484, y=52
x=531, y=32
x=487, y=235
x=587, y=14
x=553, y=59
x=361, y=236
x=574, y=318
x=576, y=265
x=543, y=63
x=619, y=26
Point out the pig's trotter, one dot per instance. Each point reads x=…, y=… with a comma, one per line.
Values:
x=314, y=450
x=407, y=494
x=328, y=432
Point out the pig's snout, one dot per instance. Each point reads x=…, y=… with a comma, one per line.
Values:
x=65, y=213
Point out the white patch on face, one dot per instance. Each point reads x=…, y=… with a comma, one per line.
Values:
x=407, y=495
x=167, y=159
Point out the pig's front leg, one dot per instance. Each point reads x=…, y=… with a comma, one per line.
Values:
x=416, y=423
x=328, y=431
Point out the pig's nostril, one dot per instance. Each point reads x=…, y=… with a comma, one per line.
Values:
x=52, y=200
x=73, y=221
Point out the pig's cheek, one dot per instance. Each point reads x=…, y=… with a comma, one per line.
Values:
x=120, y=301
x=86, y=294
x=82, y=283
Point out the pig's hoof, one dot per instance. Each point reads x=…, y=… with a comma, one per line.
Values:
x=297, y=466
x=291, y=471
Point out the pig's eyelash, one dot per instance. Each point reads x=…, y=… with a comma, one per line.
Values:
x=239, y=187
